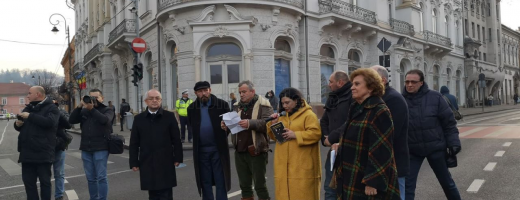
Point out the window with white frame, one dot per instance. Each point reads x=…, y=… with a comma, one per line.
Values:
x=434, y=20
x=22, y=100
x=421, y=20
x=4, y=100
x=446, y=26
x=327, y=62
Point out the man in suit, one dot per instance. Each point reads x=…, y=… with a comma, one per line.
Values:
x=210, y=143
x=155, y=148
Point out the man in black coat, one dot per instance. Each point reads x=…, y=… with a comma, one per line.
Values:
x=156, y=148
x=36, y=142
x=125, y=107
x=61, y=145
x=96, y=125
x=432, y=132
x=336, y=112
x=210, y=143
x=399, y=110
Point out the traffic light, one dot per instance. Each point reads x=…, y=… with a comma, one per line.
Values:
x=138, y=71
x=135, y=80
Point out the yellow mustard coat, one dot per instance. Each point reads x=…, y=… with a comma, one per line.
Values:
x=297, y=163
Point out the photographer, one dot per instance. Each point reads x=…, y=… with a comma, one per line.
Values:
x=95, y=122
x=37, y=124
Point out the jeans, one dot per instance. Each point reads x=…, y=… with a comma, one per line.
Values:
x=40, y=171
x=59, y=173
x=95, y=166
x=437, y=161
x=402, y=189
x=164, y=194
x=252, y=170
x=210, y=170
x=330, y=193
x=184, y=124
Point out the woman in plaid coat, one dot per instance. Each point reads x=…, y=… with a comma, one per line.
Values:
x=365, y=166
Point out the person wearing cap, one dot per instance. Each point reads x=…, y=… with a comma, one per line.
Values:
x=181, y=106
x=210, y=143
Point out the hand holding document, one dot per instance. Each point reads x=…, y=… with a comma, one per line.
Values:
x=332, y=159
x=231, y=120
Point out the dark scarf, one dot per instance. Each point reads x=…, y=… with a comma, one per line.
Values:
x=250, y=104
x=336, y=96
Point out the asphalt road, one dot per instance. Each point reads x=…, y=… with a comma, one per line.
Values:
x=483, y=138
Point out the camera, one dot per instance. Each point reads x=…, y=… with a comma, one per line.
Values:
x=89, y=99
x=19, y=117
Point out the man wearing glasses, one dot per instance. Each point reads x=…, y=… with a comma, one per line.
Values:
x=432, y=132
x=95, y=120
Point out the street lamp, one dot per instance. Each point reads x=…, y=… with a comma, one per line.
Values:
x=55, y=31
x=38, y=79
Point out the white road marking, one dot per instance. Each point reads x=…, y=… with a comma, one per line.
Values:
x=2, y=139
x=499, y=132
x=10, y=167
x=490, y=166
x=500, y=153
x=234, y=194
x=486, y=118
x=463, y=134
x=475, y=186
x=72, y=195
x=507, y=144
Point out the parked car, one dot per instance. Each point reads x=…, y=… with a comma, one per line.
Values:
x=2, y=116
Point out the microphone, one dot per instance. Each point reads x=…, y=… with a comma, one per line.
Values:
x=279, y=115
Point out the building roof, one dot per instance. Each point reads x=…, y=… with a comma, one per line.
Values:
x=11, y=89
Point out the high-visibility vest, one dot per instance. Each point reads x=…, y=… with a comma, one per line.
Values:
x=182, y=107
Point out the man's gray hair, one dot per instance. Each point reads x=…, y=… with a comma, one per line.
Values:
x=249, y=84
x=382, y=71
x=146, y=95
x=341, y=75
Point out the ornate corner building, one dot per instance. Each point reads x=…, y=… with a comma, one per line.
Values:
x=281, y=43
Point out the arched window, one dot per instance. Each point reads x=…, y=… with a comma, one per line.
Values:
x=436, y=77
x=446, y=26
x=421, y=17
x=223, y=61
x=434, y=20
x=282, y=65
x=327, y=62
x=448, y=79
x=457, y=31
x=457, y=85
x=354, y=60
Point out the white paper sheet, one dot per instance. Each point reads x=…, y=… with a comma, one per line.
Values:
x=231, y=120
x=332, y=159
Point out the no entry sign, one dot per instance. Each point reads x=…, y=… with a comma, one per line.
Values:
x=139, y=45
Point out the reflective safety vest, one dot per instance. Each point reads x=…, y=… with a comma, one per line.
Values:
x=182, y=106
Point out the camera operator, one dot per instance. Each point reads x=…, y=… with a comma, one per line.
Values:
x=37, y=124
x=95, y=122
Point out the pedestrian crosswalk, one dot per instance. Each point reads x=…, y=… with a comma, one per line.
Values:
x=501, y=132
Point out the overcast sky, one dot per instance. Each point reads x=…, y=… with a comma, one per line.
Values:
x=28, y=21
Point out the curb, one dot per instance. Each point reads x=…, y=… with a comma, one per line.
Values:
x=487, y=112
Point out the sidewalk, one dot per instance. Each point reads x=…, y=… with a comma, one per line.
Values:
x=487, y=109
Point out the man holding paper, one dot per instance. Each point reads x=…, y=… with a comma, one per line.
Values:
x=252, y=144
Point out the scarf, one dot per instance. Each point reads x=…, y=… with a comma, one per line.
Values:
x=250, y=104
x=334, y=96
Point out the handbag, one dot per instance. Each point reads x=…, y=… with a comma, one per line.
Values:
x=456, y=113
x=63, y=143
x=116, y=144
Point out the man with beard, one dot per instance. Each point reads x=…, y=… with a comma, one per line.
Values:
x=155, y=148
x=336, y=112
x=252, y=144
x=210, y=144
x=37, y=141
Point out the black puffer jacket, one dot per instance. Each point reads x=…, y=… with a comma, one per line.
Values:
x=62, y=125
x=37, y=137
x=432, y=126
x=96, y=126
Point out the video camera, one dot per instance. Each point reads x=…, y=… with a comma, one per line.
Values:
x=90, y=99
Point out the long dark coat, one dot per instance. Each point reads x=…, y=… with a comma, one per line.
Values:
x=366, y=156
x=155, y=145
x=217, y=108
x=399, y=110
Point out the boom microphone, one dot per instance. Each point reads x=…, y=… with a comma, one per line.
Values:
x=279, y=115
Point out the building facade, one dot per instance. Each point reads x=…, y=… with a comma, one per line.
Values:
x=510, y=47
x=13, y=97
x=285, y=43
x=69, y=86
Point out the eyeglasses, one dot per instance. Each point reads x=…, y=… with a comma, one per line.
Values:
x=412, y=82
x=153, y=98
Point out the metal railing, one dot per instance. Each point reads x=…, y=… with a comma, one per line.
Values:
x=402, y=27
x=165, y=4
x=348, y=10
x=437, y=39
x=98, y=48
x=126, y=26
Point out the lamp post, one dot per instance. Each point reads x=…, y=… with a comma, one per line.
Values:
x=55, y=31
x=38, y=80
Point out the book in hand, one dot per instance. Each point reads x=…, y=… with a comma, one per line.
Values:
x=277, y=130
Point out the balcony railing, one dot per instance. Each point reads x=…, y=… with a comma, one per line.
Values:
x=77, y=67
x=98, y=48
x=402, y=27
x=348, y=10
x=165, y=4
x=126, y=26
x=437, y=39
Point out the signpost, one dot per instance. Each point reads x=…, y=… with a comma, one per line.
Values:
x=384, y=60
x=139, y=45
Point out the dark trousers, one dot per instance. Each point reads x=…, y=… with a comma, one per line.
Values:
x=122, y=122
x=164, y=194
x=33, y=171
x=437, y=161
x=252, y=169
x=210, y=169
x=185, y=123
x=330, y=193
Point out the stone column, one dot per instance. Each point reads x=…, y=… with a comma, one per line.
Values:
x=247, y=68
x=197, y=59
